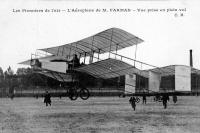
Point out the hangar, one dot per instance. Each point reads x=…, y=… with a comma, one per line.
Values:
x=172, y=78
x=166, y=79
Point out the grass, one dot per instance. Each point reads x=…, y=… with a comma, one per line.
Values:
x=99, y=114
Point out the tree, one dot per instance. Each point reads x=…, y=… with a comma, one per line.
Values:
x=9, y=79
x=10, y=72
x=23, y=71
x=1, y=72
x=1, y=77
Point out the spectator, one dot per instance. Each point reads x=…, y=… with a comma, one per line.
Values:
x=47, y=99
x=132, y=101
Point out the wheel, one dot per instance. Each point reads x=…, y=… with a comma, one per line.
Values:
x=84, y=93
x=73, y=94
x=137, y=99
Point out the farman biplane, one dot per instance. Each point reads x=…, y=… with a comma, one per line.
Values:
x=97, y=58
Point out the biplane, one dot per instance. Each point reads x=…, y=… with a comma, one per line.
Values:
x=96, y=57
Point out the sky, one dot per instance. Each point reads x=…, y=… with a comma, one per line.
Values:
x=167, y=37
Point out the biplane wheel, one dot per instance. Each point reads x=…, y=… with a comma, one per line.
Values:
x=73, y=95
x=137, y=99
x=84, y=93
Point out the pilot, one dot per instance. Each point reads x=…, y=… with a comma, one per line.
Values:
x=74, y=62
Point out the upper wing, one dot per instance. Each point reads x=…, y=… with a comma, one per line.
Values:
x=105, y=41
x=49, y=58
x=110, y=68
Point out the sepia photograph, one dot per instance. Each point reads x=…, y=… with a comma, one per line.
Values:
x=83, y=66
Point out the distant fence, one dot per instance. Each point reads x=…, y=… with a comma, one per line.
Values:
x=57, y=92
x=62, y=92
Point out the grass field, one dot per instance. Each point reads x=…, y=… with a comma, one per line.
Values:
x=99, y=114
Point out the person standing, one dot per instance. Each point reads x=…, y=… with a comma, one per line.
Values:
x=132, y=101
x=165, y=98
x=144, y=99
x=47, y=99
x=174, y=98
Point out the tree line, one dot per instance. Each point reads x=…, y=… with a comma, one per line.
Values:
x=24, y=78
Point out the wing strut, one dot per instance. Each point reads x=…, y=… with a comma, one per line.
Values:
x=135, y=53
x=111, y=42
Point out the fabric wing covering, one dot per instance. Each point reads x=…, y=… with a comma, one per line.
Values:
x=110, y=68
x=105, y=41
x=62, y=77
x=45, y=59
